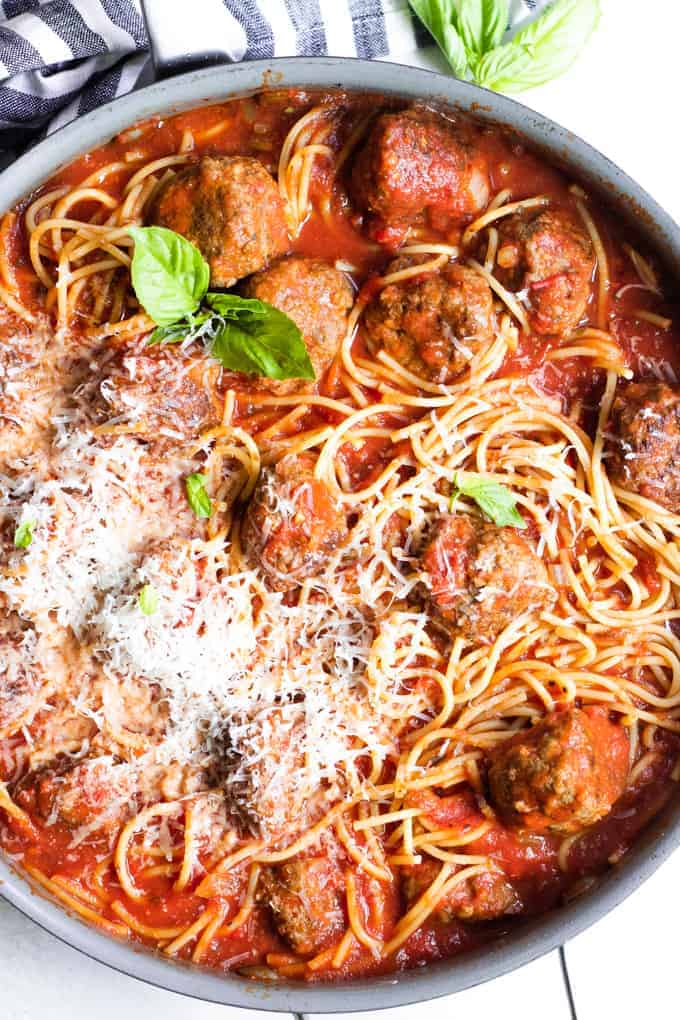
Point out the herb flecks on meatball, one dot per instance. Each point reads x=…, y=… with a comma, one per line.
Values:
x=563, y=774
x=415, y=167
x=548, y=256
x=644, y=442
x=432, y=324
x=292, y=524
x=230, y=208
x=479, y=577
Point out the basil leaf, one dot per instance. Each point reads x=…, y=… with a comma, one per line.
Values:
x=440, y=19
x=482, y=24
x=23, y=535
x=469, y=32
x=252, y=336
x=148, y=600
x=169, y=274
x=503, y=68
x=492, y=498
x=231, y=306
x=495, y=21
x=199, y=500
x=245, y=335
x=542, y=50
x=188, y=328
x=274, y=350
x=171, y=279
x=173, y=334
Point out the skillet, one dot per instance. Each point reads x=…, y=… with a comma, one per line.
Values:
x=656, y=227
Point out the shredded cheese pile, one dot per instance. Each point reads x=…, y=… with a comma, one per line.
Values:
x=224, y=656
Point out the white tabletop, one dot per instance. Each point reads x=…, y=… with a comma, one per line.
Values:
x=622, y=97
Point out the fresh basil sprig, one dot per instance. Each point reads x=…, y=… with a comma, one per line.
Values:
x=169, y=274
x=171, y=277
x=252, y=336
x=148, y=600
x=482, y=24
x=440, y=18
x=470, y=33
x=23, y=534
x=197, y=495
x=492, y=498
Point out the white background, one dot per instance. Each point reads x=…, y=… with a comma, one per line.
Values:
x=623, y=97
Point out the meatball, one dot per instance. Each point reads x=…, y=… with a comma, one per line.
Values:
x=22, y=677
x=562, y=775
x=551, y=258
x=305, y=896
x=134, y=711
x=292, y=523
x=158, y=391
x=644, y=444
x=480, y=898
x=230, y=208
x=418, y=166
x=318, y=298
x=263, y=792
x=59, y=728
x=434, y=323
x=34, y=374
x=263, y=770
x=480, y=577
x=97, y=794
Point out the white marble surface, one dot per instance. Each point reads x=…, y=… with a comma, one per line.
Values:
x=621, y=96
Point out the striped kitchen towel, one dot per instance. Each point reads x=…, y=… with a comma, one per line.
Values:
x=62, y=58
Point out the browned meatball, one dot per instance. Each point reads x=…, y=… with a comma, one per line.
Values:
x=230, y=208
x=160, y=392
x=264, y=793
x=22, y=679
x=481, y=577
x=318, y=298
x=551, y=258
x=292, y=524
x=644, y=448
x=95, y=793
x=563, y=774
x=263, y=773
x=432, y=324
x=35, y=371
x=305, y=895
x=481, y=898
x=415, y=166
x=59, y=728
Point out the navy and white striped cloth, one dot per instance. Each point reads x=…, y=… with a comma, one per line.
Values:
x=62, y=58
